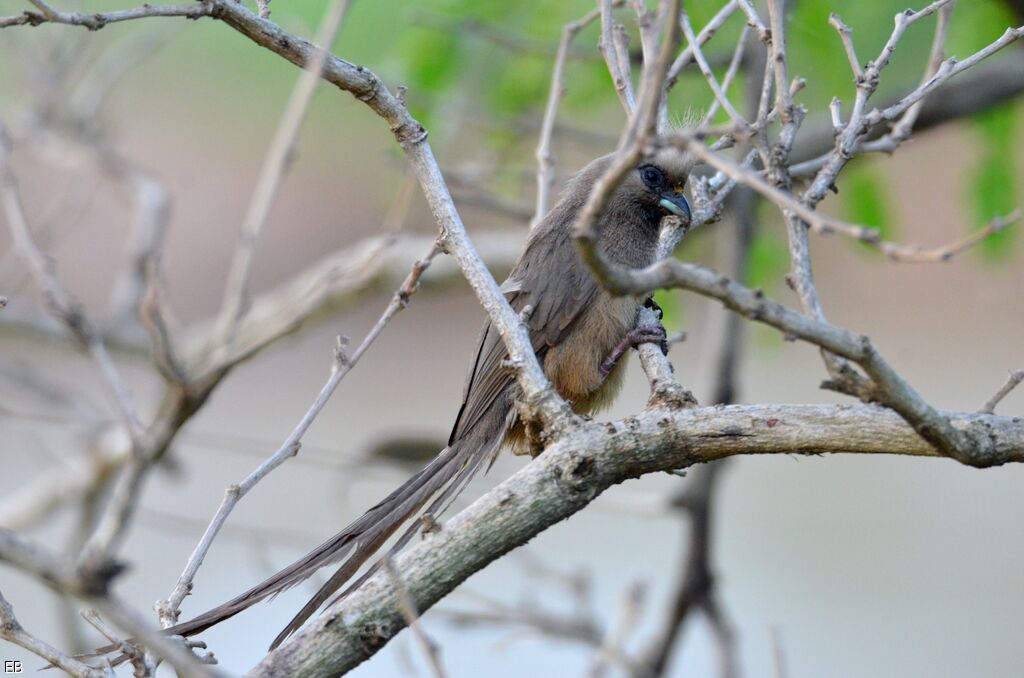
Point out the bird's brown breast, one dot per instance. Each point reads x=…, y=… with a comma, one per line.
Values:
x=573, y=366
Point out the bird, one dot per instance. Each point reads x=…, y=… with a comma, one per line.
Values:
x=579, y=332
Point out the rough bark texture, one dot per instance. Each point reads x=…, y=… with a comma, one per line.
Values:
x=569, y=475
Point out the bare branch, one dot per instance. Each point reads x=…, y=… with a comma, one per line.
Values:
x=720, y=95
x=59, y=299
x=730, y=74
x=778, y=61
x=409, y=611
x=754, y=21
x=133, y=654
x=97, y=20
x=236, y=293
x=569, y=474
x=340, y=367
x=618, y=70
x=845, y=33
x=545, y=159
x=825, y=225
x=92, y=588
x=685, y=57
x=13, y=631
x=1012, y=381
x=891, y=388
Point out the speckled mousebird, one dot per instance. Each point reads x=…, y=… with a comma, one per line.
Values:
x=578, y=331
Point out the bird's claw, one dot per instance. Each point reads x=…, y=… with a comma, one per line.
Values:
x=650, y=334
x=642, y=334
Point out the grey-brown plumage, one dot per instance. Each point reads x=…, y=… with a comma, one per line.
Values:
x=574, y=326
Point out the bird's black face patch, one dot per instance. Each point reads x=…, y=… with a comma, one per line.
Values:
x=653, y=177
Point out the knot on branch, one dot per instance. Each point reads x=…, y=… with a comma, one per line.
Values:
x=981, y=448
x=545, y=419
x=33, y=18
x=374, y=634
x=409, y=133
x=670, y=395
x=94, y=578
x=576, y=475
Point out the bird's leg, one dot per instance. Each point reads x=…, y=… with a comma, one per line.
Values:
x=649, y=333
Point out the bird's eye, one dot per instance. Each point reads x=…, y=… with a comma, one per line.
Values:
x=652, y=176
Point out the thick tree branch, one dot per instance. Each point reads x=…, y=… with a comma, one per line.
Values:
x=972, y=449
x=571, y=473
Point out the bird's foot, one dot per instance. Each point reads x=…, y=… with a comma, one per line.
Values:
x=651, y=333
x=650, y=303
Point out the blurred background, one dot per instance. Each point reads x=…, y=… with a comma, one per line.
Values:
x=836, y=566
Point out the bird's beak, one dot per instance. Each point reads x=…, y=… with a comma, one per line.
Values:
x=675, y=203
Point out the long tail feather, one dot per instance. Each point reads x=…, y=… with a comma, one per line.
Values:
x=356, y=543
x=464, y=464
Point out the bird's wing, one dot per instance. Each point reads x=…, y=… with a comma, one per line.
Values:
x=554, y=282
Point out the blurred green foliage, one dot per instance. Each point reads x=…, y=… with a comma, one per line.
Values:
x=865, y=200
x=491, y=61
x=448, y=45
x=994, y=176
x=769, y=254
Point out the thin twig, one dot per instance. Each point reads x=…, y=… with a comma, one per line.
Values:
x=412, y=620
x=59, y=299
x=97, y=20
x=56, y=574
x=754, y=21
x=825, y=225
x=12, y=631
x=845, y=34
x=275, y=164
x=720, y=95
x=710, y=29
x=779, y=62
x=136, y=656
x=1011, y=383
x=341, y=365
x=618, y=70
x=545, y=159
x=730, y=74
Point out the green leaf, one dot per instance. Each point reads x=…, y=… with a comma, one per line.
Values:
x=432, y=58
x=862, y=188
x=992, y=180
x=769, y=258
x=521, y=88
x=672, y=309
x=769, y=261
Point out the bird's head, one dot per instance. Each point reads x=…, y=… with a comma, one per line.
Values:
x=658, y=184
x=634, y=229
